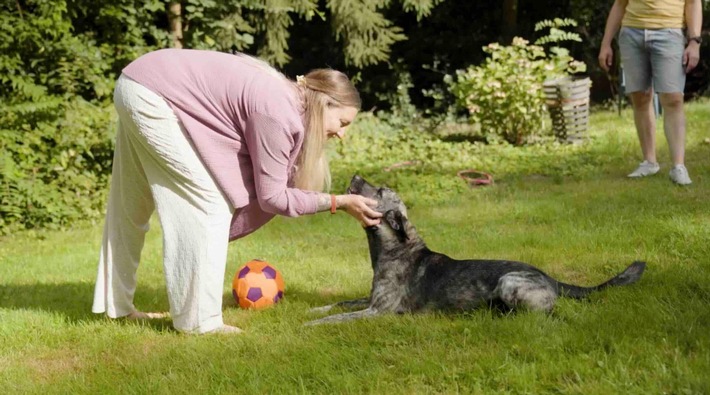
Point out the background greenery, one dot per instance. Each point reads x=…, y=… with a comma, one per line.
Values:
x=59, y=60
x=567, y=209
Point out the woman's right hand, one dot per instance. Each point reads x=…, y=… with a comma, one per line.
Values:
x=361, y=208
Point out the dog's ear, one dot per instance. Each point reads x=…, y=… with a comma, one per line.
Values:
x=397, y=222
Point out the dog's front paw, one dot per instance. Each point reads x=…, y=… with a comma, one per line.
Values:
x=321, y=310
x=354, y=315
x=313, y=323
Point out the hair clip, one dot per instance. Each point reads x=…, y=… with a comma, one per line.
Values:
x=301, y=81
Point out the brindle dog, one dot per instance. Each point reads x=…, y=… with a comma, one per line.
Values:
x=409, y=277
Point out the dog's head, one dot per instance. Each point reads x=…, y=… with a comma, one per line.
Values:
x=388, y=203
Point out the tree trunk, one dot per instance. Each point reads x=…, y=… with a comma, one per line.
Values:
x=175, y=19
x=510, y=20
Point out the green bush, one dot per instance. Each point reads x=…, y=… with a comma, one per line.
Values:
x=56, y=80
x=55, y=164
x=504, y=95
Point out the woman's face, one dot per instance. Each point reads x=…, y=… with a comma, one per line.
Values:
x=336, y=120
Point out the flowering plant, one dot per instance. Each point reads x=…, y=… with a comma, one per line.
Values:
x=504, y=95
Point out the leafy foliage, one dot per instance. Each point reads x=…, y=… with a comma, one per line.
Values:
x=59, y=60
x=54, y=121
x=54, y=168
x=366, y=34
x=556, y=34
x=52, y=140
x=504, y=94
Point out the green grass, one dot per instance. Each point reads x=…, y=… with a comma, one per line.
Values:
x=583, y=227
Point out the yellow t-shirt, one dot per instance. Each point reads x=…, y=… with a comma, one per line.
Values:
x=654, y=14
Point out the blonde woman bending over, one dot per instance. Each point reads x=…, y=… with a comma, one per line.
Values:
x=218, y=144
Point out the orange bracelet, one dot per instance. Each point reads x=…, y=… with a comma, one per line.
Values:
x=332, y=204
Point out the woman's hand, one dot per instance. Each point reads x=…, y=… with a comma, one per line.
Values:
x=361, y=208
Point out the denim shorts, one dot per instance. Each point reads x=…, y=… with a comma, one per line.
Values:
x=652, y=57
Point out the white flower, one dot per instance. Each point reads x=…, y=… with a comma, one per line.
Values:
x=518, y=41
x=473, y=108
x=493, y=84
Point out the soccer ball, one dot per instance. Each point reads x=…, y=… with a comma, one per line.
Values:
x=257, y=285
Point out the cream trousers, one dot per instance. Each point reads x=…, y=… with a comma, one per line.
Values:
x=156, y=168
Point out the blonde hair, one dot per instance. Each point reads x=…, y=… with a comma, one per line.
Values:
x=322, y=88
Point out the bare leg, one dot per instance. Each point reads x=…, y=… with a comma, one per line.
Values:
x=645, y=121
x=674, y=125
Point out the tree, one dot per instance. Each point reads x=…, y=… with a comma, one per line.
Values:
x=360, y=26
x=510, y=19
x=59, y=60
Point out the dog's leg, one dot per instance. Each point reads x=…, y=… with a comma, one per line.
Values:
x=344, y=317
x=526, y=289
x=348, y=304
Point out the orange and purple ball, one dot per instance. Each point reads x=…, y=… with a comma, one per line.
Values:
x=257, y=285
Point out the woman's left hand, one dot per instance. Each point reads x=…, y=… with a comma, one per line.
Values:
x=361, y=208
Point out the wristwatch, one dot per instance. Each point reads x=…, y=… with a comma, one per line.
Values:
x=697, y=39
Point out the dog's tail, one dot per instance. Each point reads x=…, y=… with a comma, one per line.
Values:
x=629, y=276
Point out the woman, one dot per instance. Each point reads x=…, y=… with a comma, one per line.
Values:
x=218, y=144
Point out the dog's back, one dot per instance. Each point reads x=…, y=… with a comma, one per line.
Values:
x=450, y=284
x=447, y=283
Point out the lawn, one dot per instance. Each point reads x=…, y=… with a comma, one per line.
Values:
x=575, y=216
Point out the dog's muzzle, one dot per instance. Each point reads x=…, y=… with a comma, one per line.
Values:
x=356, y=184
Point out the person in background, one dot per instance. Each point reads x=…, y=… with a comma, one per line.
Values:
x=656, y=56
x=217, y=144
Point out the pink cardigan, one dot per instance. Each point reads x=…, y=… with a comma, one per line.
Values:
x=244, y=122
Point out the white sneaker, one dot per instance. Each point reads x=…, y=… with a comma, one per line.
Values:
x=645, y=168
x=679, y=175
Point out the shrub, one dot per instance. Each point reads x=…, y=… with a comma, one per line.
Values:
x=54, y=165
x=55, y=130
x=504, y=94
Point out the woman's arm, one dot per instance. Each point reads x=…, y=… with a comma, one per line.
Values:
x=359, y=207
x=270, y=146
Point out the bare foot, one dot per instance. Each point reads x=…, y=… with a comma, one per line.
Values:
x=227, y=329
x=140, y=315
